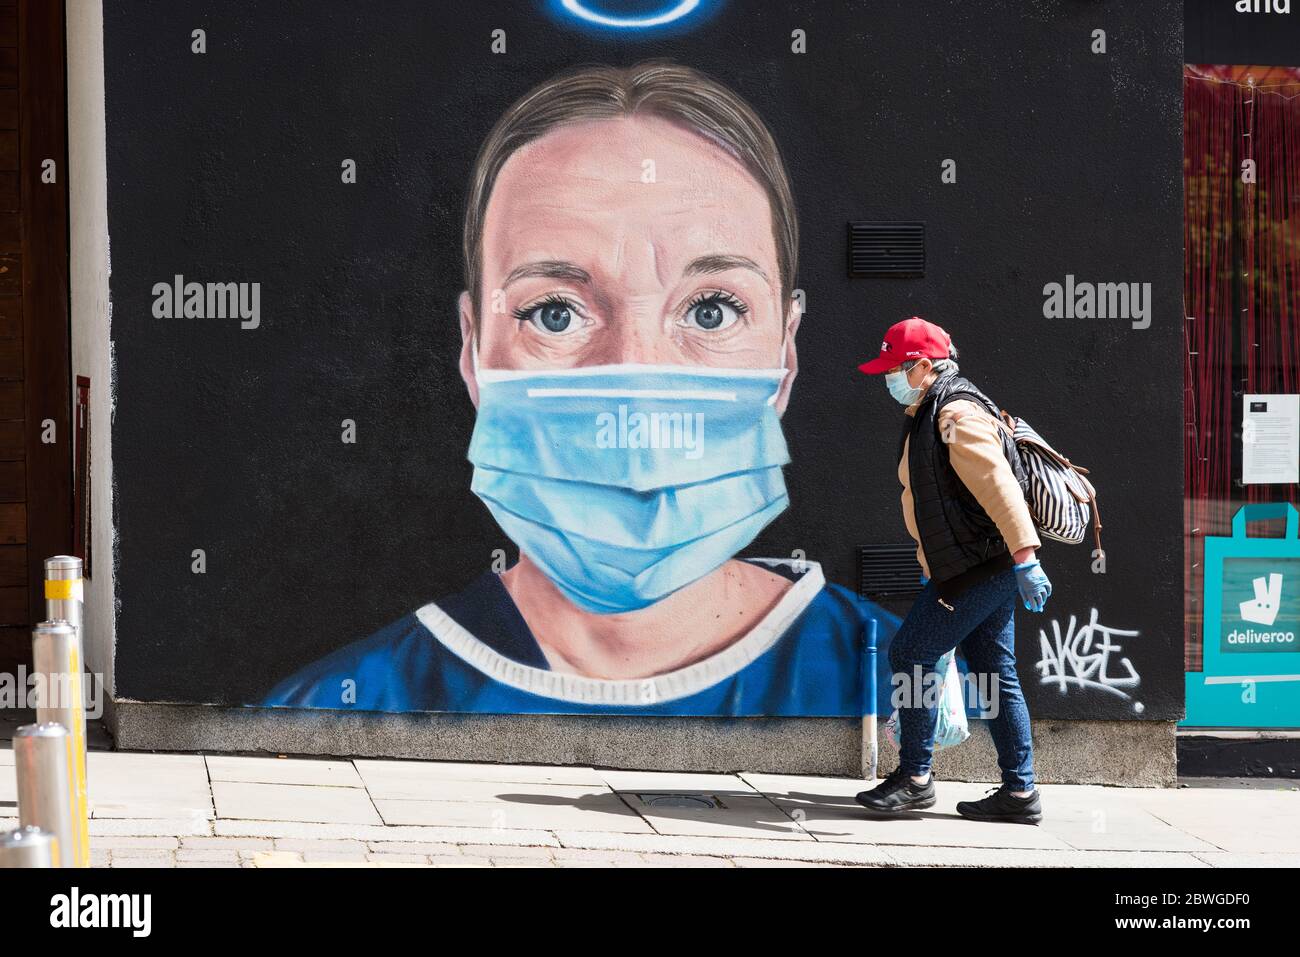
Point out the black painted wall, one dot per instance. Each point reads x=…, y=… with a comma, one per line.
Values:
x=1218, y=32
x=225, y=167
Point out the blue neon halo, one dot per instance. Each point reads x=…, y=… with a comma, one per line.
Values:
x=579, y=9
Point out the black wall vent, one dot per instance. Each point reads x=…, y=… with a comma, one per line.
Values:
x=886, y=249
x=888, y=571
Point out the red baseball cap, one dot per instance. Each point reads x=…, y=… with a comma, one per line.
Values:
x=910, y=339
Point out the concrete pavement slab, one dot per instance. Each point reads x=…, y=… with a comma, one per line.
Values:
x=672, y=781
x=381, y=832
x=380, y=773
x=1117, y=827
x=1006, y=857
x=198, y=825
x=459, y=789
x=520, y=809
x=1246, y=821
x=727, y=846
x=126, y=784
x=1234, y=859
x=255, y=770
x=731, y=814
x=294, y=802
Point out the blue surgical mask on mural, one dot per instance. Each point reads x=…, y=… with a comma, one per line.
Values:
x=900, y=389
x=625, y=483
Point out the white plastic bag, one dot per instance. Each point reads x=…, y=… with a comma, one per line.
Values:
x=951, y=727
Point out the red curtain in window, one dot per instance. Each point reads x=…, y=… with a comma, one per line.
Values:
x=1241, y=289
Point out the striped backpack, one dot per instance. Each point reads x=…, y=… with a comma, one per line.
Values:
x=1062, y=502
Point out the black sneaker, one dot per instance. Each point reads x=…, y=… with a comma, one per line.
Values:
x=1002, y=805
x=897, y=793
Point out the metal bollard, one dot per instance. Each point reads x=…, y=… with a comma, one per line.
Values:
x=64, y=589
x=870, y=744
x=64, y=597
x=42, y=762
x=56, y=657
x=26, y=847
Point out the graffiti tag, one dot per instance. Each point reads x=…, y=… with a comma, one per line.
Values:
x=1081, y=658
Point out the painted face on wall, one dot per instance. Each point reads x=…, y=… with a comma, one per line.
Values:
x=630, y=240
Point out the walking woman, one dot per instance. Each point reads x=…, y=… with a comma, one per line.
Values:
x=964, y=504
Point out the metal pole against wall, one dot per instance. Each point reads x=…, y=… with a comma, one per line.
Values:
x=26, y=847
x=56, y=657
x=64, y=590
x=42, y=762
x=870, y=746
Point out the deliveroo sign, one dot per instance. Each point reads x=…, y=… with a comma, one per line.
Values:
x=1252, y=628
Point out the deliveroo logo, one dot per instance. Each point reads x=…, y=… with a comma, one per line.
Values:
x=1263, y=608
x=1268, y=620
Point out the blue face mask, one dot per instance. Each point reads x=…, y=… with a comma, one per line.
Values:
x=903, y=393
x=625, y=483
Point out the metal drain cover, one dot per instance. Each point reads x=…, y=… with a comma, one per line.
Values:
x=692, y=801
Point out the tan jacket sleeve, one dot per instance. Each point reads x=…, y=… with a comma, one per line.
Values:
x=975, y=451
x=909, y=511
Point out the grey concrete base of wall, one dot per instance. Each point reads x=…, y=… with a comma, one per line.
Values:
x=1138, y=753
x=1130, y=753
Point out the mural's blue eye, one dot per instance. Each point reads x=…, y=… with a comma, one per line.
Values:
x=709, y=315
x=553, y=316
x=714, y=311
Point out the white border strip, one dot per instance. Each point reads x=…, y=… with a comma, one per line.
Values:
x=505, y=375
x=715, y=395
x=1243, y=679
x=682, y=683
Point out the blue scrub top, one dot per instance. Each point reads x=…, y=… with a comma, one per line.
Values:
x=813, y=668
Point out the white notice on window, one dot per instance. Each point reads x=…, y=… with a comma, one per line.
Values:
x=1270, y=439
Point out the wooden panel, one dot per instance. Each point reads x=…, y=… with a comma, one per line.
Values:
x=8, y=67
x=11, y=359
x=9, y=190
x=13, y=525
x=13, y=444
x=9, y=149
x=8, y=28
x=11, y=400
x=13, y=483
x=13, y=606
x=15, y=649
x=11, y=317
x=13, y=566
x=11, y=275
x=11, y=232
x=46, y=374
x=8, y=109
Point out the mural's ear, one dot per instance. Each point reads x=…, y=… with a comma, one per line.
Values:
x=790, y=356
x=467, y=347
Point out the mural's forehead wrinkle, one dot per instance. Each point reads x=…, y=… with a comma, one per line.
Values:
x=559, y=199
x=643, y=149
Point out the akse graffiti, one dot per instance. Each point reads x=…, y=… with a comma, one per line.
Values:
x=1081, y=658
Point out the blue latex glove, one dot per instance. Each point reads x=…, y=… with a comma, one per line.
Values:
x=924, y=581
x=1034, y=586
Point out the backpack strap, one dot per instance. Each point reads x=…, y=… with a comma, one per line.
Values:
x=1007, y=421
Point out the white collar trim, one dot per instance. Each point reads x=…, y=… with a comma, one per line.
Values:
x=682, y=683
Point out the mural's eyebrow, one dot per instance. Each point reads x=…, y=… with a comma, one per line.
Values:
x=549, y=269
x=721, y=262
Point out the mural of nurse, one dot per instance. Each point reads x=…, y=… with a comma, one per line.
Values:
x=629, y=331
